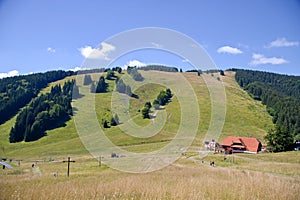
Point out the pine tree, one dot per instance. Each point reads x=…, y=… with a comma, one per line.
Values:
x=169, y=93
x=156, y=104
x=279, y=139
x=105, y=124
x=114, y=121
x=145, y=112
x=101, y=86
x=133, y=72
x=109, y=75
x=87, y=79
x=75, y=92
x=119, y=70
x=120, y=86
x=128, y=90
x=148, y=104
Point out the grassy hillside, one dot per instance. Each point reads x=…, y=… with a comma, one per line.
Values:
x=244, y=117
x=243, y=176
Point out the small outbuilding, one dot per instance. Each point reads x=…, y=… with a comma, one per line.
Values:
x=241, y=144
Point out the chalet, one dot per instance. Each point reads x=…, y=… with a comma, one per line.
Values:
x=241, y=144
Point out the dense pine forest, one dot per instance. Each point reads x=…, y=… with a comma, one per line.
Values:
x=281, y=95
x=17, y=91
x=44, y=112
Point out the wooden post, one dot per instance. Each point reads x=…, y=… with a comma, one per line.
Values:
x=68, y=161
x=19, y=162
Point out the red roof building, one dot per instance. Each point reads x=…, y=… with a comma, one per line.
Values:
x=241, y=144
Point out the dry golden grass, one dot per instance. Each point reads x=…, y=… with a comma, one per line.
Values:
x=178, y=181
x=286, y=167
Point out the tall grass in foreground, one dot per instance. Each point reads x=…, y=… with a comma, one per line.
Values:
x=173, y=182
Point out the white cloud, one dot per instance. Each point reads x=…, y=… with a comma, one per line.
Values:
x=134, y=63
x=9, y=74
x=259, y=59
x=97, y=53
x=228, y=49
x=51, y=50
x=282, y=42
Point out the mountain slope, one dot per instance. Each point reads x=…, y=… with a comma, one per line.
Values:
x=281, y=95
x=244, y=117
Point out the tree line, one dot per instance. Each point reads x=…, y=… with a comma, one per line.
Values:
x=44, y=112
x=17, y=91
x=285, y=84
x=159, y=68
x=99, y=70
x=198, y=71
x=281, y=95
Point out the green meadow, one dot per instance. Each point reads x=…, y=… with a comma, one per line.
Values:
x=241, y=176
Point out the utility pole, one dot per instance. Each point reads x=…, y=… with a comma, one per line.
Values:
x=68, y=161
x=100, y=161
x=19, y=162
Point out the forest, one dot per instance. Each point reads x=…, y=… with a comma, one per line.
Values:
x=17, y=91
x=44, y=112
x=281, y=95
x=159, y=68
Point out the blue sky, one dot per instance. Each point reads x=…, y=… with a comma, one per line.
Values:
x=44, y=35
